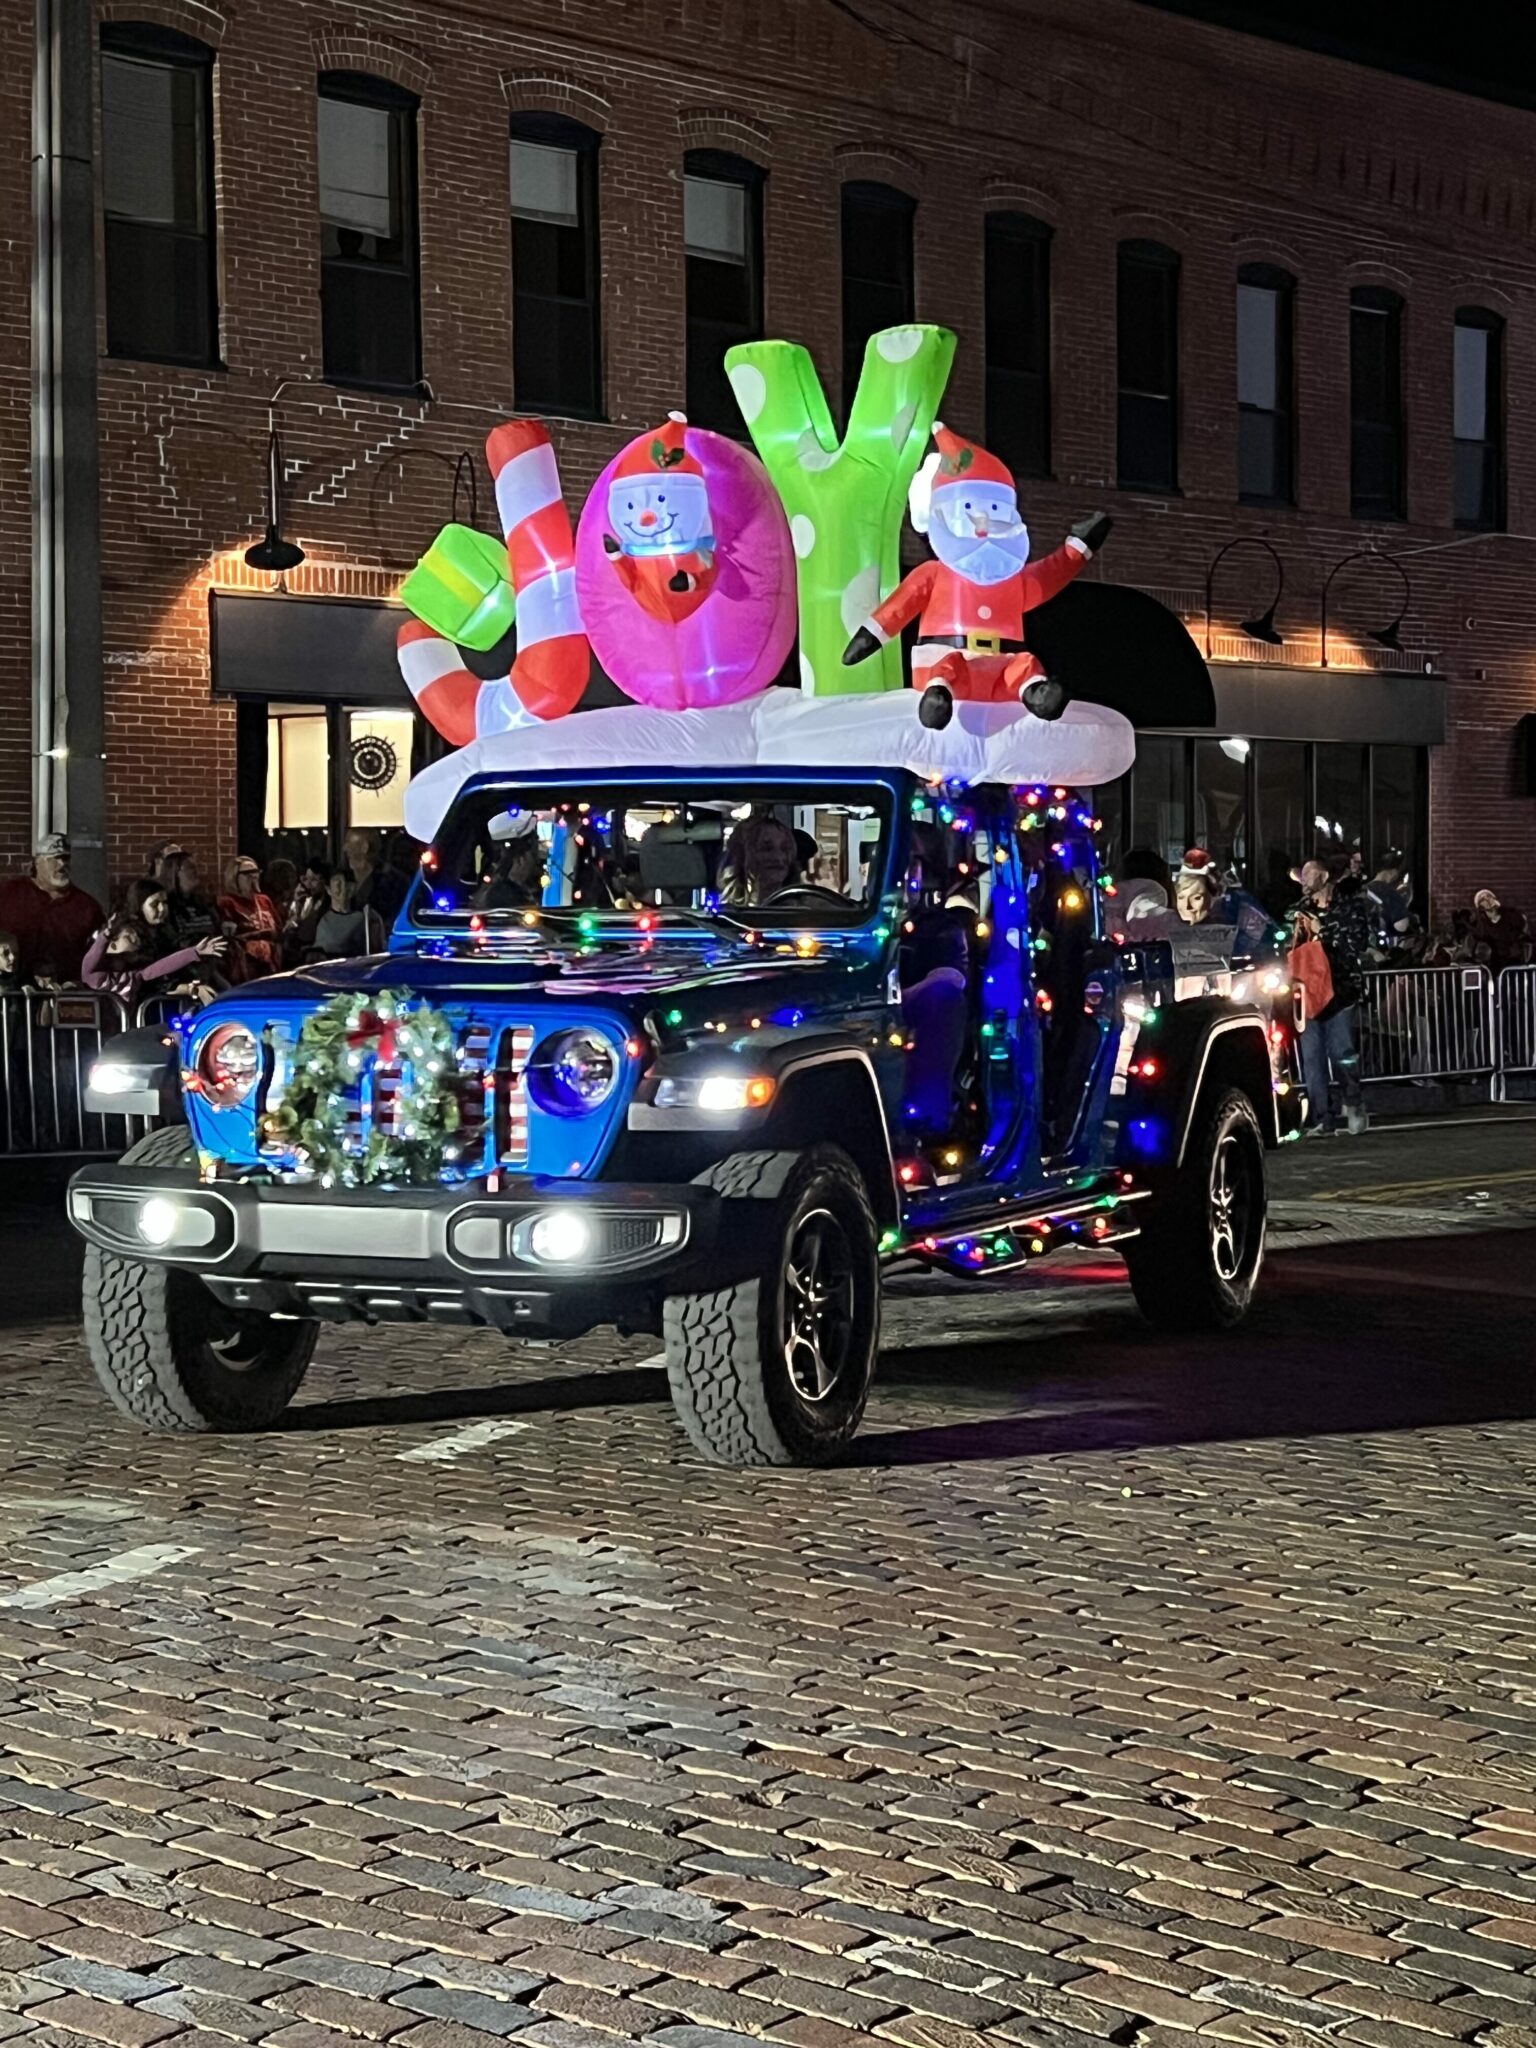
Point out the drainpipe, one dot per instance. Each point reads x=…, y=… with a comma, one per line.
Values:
x=68, y=785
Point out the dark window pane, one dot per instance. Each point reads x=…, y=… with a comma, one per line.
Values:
x=722, y=237
x=1147, y=349
x=1018, y=342
x=1264, y=385
x=556, y=352
x=1159, y=802
x=1479, y=419
x=1471, y=405
x=1221, y=804
x=157, y=196
x=1397, y=812
x=1376, y=405
x=1338, y=823
x=370, y=315
x=159, y=293
x=877, y=270
x=1284, y=829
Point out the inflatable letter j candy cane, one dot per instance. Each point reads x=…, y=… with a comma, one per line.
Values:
x=553, y=657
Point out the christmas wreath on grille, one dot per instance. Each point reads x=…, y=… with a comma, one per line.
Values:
x=335, y=1044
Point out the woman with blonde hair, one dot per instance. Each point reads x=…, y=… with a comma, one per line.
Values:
x=761, y=858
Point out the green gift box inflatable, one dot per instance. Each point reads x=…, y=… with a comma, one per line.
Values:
x=460, y=588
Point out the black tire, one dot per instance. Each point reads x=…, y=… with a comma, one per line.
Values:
x=1202, y=1239
x=760, y=1375
x=170, y=1357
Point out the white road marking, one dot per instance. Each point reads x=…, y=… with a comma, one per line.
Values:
x=473, y=1437
x=115, y=1571
x=657, y=1358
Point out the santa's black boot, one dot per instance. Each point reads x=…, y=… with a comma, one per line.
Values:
x=1045, y=697
x=936, y=707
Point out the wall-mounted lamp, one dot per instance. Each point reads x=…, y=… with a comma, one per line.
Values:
x=1384, y=636
x=1261, y=627
x=464, y=475
x=272, y=552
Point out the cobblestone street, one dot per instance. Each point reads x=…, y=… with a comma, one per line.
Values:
x=1118, y=1690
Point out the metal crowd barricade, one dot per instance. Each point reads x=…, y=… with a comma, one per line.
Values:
x=1429, y=1024
x=1517, y=1021
x=48, y=1039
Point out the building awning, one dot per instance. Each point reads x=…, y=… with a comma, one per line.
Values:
x=1267, y=700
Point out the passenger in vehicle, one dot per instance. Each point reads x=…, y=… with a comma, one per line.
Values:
x=761, y=858
x=516, y=884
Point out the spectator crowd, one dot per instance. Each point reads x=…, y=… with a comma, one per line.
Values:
x=169, y=932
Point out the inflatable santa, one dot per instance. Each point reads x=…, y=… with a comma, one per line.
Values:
x=662, y=543
x=973, y=598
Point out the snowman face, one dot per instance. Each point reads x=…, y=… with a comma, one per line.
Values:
x=976, y=530
x=659, y=515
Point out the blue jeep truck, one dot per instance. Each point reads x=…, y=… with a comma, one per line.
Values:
x=700, y=1101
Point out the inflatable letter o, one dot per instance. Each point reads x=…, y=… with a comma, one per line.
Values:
x=736, y=641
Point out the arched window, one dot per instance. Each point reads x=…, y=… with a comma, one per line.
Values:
x=1147, y=357
x=1479, y=418
x=370, y=294
x=723, y=252
x=157, y=194
x=1266, y=394
x=1377, y=483
x=1018, y=341
x=557, y=355
x=877, y=270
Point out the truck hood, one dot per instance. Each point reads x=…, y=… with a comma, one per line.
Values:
x=628, y=976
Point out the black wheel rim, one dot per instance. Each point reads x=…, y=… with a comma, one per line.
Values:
x=221, y=1336
x=1232, y=1207
x=817, y=1306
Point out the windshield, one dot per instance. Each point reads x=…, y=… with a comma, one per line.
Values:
x=765, y=855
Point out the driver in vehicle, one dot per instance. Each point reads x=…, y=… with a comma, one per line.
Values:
x=761, y=858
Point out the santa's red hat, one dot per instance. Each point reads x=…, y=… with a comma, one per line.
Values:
x=660, y=453
x=964, y=462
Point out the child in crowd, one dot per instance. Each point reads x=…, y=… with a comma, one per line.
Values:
x=123, y=960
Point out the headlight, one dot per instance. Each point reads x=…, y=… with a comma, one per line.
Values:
x=575, y=1071
x=108, y=1078
x=229, y=1065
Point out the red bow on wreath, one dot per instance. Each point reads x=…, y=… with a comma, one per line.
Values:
x=371, y=1029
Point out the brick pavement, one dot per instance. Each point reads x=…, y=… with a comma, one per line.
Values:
x=1119, y=1692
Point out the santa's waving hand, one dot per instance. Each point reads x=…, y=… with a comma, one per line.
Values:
x=973, y=598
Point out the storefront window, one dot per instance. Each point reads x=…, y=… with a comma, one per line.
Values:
x=1397, y=808
x=1159, y=814
x=1338, y=824
x=1221, y=803
x=298, y=767
x=1284, y=830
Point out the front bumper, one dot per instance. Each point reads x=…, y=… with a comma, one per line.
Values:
x=434, y=1254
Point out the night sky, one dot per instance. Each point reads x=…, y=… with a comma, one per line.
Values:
x=1482, y=49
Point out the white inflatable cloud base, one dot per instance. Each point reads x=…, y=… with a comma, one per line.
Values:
x=999, y=743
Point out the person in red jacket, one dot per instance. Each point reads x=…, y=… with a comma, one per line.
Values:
x=51, y=918
x=972, y=600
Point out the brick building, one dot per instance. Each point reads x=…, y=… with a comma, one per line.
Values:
x=1227, y=290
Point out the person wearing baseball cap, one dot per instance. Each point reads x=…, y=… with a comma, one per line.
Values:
x=53, y=920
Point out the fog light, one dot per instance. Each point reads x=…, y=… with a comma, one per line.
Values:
x=158, y=1220
x=560, y=1237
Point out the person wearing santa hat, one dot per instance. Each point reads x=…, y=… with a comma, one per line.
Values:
x=662, y=544
x=972, y=600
